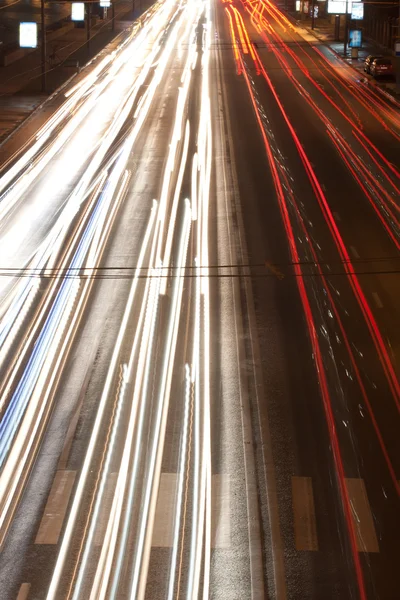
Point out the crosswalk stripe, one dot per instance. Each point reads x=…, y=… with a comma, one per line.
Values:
x=24, y=591
x=56, y=507
x=362, y=516
x=305, y=527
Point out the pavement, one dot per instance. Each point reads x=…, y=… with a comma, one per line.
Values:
x=228, y=423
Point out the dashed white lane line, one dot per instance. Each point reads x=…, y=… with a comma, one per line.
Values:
x=56, y=507
x=336, y=216
x=221, y=510
x=377, y=300
x=166, y=507
x=23, y=591
x=354, y=252
x=165, y=510
x=305, y=527
x=362, y=516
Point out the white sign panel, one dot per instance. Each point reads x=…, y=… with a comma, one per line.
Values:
x=357, y=11
x=77, y=11
x=298, y=5
x=105, y=3
x=28, y=35
x=337, y=7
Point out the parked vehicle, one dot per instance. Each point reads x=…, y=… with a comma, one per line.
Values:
x=368, y=61
x=381, y=67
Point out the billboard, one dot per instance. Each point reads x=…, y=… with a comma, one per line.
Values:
x=355, y=38
x=77, y=11
x=28, y=35
x=105, y=3
x=337, y=7
x=357, y=11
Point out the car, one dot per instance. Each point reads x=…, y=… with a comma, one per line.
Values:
x=368, y=61
x=381, y=67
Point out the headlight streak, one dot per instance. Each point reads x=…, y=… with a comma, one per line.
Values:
x=174, y=208
x=109, y=88
x=120, y=491
x=54, y=584
x=80, y=192
x=138, y=586
x=101, y=581
x=17, y=467
x=57, y=316
x=183, y=460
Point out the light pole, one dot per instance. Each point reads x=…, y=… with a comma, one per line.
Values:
x=346, y=28
x=88, y=16
x=397, y=53
x=43, y=45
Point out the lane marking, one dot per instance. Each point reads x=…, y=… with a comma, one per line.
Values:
x=305, y=526
x=354, y=252
x=362, y=516
x=24, y=591
x=56, y=507
x=163, y=531
x=336, y=216
x=220, y=511
x=377, y=300
x=104, y=511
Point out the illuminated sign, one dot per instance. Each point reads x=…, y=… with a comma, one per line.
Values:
x=337, y=7
x=357, y=11
x=105, y=3
x=28, y=35
x=355, y=38
x=77, y=11
x=298, y=5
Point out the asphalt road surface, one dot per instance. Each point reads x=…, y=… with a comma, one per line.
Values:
x=200, y=334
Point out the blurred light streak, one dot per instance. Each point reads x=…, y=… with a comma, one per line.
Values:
x=143, y=544
x=55, y=580
x=315, y=345
x=348, y=265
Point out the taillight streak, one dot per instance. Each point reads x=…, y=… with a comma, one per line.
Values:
x=315, y=346
x=348, y=266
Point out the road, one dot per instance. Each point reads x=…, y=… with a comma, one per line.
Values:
x=200, y=330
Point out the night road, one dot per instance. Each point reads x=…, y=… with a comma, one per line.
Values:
x=200, y=321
